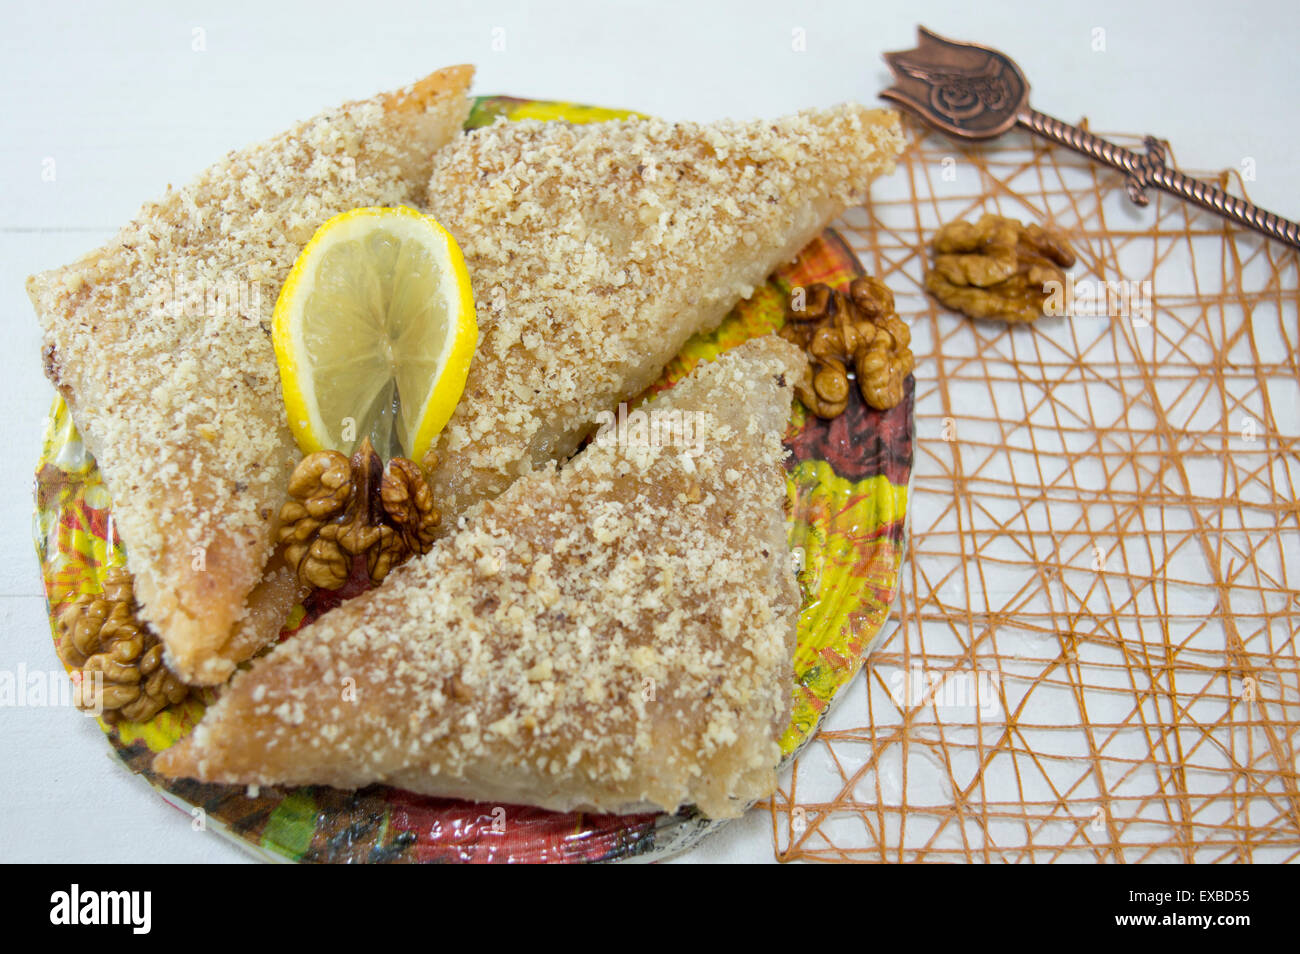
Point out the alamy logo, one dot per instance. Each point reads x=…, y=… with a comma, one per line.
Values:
x=184, y=297
x=657, y=428
x=38, y=688
x=1090, y=298
x=947, y=689
x=103, y=907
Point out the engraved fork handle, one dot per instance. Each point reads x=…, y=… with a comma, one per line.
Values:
x=1150, y=169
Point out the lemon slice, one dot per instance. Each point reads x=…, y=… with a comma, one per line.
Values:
x=373, y=332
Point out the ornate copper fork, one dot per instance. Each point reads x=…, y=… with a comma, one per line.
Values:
x=973, y=92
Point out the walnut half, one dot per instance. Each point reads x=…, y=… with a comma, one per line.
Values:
x=116, y=659
x=997, y=267
x=320, y=490
x=408, y=502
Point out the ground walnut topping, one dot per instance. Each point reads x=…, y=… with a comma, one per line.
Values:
x=997, y=268
x=340, y=508
x=118, y=659
x=859, y=330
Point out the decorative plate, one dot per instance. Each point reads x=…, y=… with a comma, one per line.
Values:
x=847, y=486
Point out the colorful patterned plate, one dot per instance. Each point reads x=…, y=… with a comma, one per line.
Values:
x=847, y=486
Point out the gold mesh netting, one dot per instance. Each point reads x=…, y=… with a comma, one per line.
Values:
x=1093, y=657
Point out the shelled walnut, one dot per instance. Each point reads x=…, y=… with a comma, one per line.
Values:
x=997, y=267
x=340, y=508
x=858, y=330
x=117, y=660
x=408, y=502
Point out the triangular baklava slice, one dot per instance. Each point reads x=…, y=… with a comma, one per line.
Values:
x=597, y=250
x=610, y=636
x=160, y=342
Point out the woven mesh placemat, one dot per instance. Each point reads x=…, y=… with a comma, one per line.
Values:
x=1094, y=655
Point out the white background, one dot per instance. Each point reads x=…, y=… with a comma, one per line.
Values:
x=123, y=103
